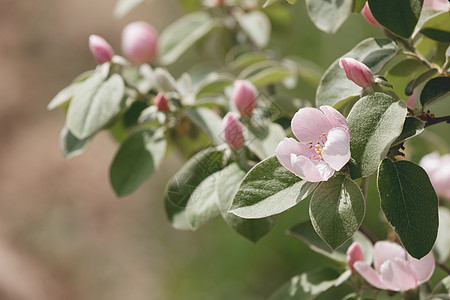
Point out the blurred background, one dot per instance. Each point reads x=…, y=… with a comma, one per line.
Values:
x=63, y=232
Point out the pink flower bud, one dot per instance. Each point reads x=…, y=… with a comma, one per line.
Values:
x=367, y=14
x=244, y=97
x=443, y=5
x=354, y=254
x=356, y=71
x=139, y=42
x=100, y=48
x=233, y=130
x=161, y=102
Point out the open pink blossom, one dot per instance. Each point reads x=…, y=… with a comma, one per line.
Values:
x=437, y=4
x=244, y=97
x=367, y=14
x=438, y=170
x=354, y=254
x=100, y=49
x=233, y=130
x=395, y=269
x=139, y=42
x=324, y=145
x=356, y=71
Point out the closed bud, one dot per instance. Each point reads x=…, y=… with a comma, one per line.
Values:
x=367, y=14
x=354, y=254
x=356, y=71
x=100, y=48
x=244, y=97
x=161, y=102
x=139, y=42
x=233, y=131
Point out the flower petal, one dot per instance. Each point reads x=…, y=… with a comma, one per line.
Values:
x=288, y=146
x=423, y=267
x=309, y=123
x=354, y=254
x=369, y=274
x=336, y=152
x=335, y=117
x=304, y=168
x=398, y=275
x=384, y=251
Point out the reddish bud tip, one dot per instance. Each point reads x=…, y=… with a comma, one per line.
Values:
x=233, y=130
x=244, y=97
x=367, y=14
x=161, y=102
x=356, y=71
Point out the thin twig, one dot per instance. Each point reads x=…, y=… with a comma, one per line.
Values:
x=368, y=234
x=443, y=267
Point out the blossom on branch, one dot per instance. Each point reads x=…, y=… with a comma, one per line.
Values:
x=244, y=97
x=356, y=71
x=139, y=42
x=395, y=269
x=438, y=169
x=324, y=145
x=100, y=49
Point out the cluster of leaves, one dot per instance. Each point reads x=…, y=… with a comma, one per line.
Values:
x=248, y=188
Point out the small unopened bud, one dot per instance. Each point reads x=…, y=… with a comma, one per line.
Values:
x=161, y=102
x=367, y=14
x=356, y=71
x=244, y=97
x=354, y=254
x=100, y=48
x=233, y=130
x=139, y=42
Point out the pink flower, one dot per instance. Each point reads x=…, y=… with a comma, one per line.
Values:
x=100, y=48
x=139, y=42
x=324, y=145
x=356, y=71
x=395, y=269
x=437, y=4
x=244, y=97
x=438, y=169
x=233, y=130
x=354, y=254
x=367, y=14
x=161, y=102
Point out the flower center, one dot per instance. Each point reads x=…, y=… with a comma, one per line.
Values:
x=318, y=147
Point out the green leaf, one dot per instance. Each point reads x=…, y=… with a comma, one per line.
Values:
x=203, y=203
x=308, y=285
x=399, y=16
x=182, y=34
x=442, y=246
x=70, y=145
x=63, y=97
x=123, y=7
x=358, y=5
x=227, y=186
x=95, y=103
x=263, y=141
x=257, y=26
x=402, y=73
x=375, y=122
x=435, y=90
x=335, y=88
x=269, y=189
x=337, y=210
x=138, y=157
x=442, y=288
x=329, y=15
x=437, y=27
x=305, y=232
x=409, y=90
x=411, y=128
x=410, y=204
x=180, y=188
x=213, y=83
x=264, y=73
x=208, y=121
